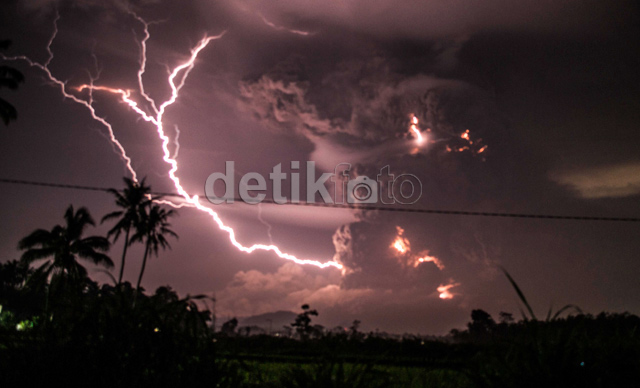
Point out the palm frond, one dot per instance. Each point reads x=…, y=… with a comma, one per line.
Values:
x=97, y=258
x=7, y=112
x=37, y=237
x=115, y=214
x=36, y=254
x=98, y=243
x=10, y=77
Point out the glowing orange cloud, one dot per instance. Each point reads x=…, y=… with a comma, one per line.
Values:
x=444, y=290
x=430, y=259
x=416, y=131
x=401, y=244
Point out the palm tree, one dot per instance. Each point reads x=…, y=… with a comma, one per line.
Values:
x=154, y=226
x=9, y=78
x=63, y=245
x=132, y=200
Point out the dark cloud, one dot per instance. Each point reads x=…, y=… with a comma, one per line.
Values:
x=366, y=249
x=427, y=19
x=363, y=102
x=121, y=5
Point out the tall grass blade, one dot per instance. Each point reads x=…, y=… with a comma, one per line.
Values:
x=565, y=308
x=524, y=315
x=520, y=294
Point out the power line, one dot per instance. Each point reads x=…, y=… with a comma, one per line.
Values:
x=351, y=206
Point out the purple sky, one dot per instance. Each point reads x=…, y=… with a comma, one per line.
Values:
x=551, y=88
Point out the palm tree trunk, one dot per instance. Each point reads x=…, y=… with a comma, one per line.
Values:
x=144, y=264
x=46, y=305
x=124, y=253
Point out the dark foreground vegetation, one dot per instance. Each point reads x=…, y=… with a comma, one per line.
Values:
x=57, y=325
x=105, y=336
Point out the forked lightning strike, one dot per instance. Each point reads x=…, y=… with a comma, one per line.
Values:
x=176, y=80
x=62, y=84
x=280, y=28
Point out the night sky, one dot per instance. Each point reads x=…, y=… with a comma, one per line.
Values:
x=551, y=88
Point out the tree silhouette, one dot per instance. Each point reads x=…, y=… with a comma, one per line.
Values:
x=229, y=327
x=302, y=323
x=62, y=275
x=354, y=334
x=506, y=318
x=153, y=229
x=481, y=325
x=132, y=200
x=16, y=298
x=9, y=78
x=64, y=244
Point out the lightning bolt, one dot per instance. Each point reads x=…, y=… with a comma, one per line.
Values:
x=265, y=223
x=280, y=28
x=176, y=143
x=63, y=89
x=143, y=62
x=176, y=80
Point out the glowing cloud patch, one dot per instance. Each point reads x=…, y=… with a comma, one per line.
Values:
x=416, y=131
x=401, y=244
x=443, y=289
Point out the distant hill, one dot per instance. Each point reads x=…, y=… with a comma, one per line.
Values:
x=278, y=319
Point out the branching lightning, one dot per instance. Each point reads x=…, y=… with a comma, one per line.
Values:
x=265, y=223
x=280, y=28
x=63, y=89
x=176, y=80
x=176, y=143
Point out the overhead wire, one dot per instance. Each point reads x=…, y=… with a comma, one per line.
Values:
x=358, y=206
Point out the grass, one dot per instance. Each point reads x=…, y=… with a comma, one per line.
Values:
x=336, y=374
